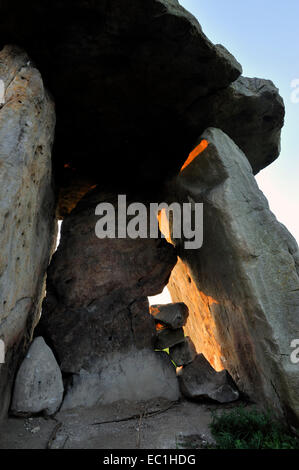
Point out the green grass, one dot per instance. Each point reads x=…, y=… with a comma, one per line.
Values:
x=245, y=428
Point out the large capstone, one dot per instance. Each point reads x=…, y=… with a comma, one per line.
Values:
x=183, y=353
x=27, y=121
x=242, y=285
x=136, y=82
x=96, y=313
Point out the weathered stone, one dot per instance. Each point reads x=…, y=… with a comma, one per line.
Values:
x=167, y=338
x=242, y=286
x=251, y=112
x=136, y=375
x=172, y=315
x=124, y=53
x=38, y=387
x=107, y=64
x=183, y=353
x=199, y=381
x=27, y=120
x=96, y=310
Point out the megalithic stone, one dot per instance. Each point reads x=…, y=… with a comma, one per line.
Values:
x=27, y=212
x=242, y=286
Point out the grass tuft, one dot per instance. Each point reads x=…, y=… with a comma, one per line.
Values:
x=245, y=428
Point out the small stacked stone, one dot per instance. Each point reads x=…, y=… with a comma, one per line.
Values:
x=197, y=378
x=170, y=320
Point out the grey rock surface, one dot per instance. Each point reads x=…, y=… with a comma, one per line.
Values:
x=200, y=381
x=38, y=386
x=251, y=112
x=27, y=121
x=243, y=296
x=136, y=375
x=96, y=312
x=125, y=67
x=167, y=338
x=172, y=315
x=151, y=58
x=97, y=289
x=183, y=353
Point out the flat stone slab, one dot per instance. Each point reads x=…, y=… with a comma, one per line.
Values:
x=167, y=338
x=171, y=315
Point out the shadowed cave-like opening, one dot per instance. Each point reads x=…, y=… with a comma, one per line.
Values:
x=163, y=298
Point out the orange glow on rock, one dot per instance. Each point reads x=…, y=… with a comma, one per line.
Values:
x=160, y=326
x=197, y=151
x=164, y=225
x=201, y=324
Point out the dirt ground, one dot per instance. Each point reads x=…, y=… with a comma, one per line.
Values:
x=153, y=425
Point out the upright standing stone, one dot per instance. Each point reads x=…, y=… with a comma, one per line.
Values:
x=27, y=121
x=38, y=387
x=96, y=313
x=242, y=286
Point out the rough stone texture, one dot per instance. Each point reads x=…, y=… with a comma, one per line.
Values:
x=136, y=376
x=96, y=310
x=200, y=381
x=167, y=338
x=246, y=275
x=201, y=325
x=146, y=72
x=251, y=112
x=27, y=121
x=38, y=387
x=129, y=68
x=183, y=353
x=172, y=315
x=141, y=80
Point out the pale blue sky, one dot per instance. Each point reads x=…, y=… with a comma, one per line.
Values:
x=264, y=37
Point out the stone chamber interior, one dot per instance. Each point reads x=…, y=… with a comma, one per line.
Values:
x=129, y=97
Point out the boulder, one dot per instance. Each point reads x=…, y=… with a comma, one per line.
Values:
x=27, y=121
x=183, y=353
x=96, y=312
x=242, y=285
x=199, y=381
x=38, y=386
x=251, y=112
x=135, y=376
x=167, y=338
x=171, y=315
